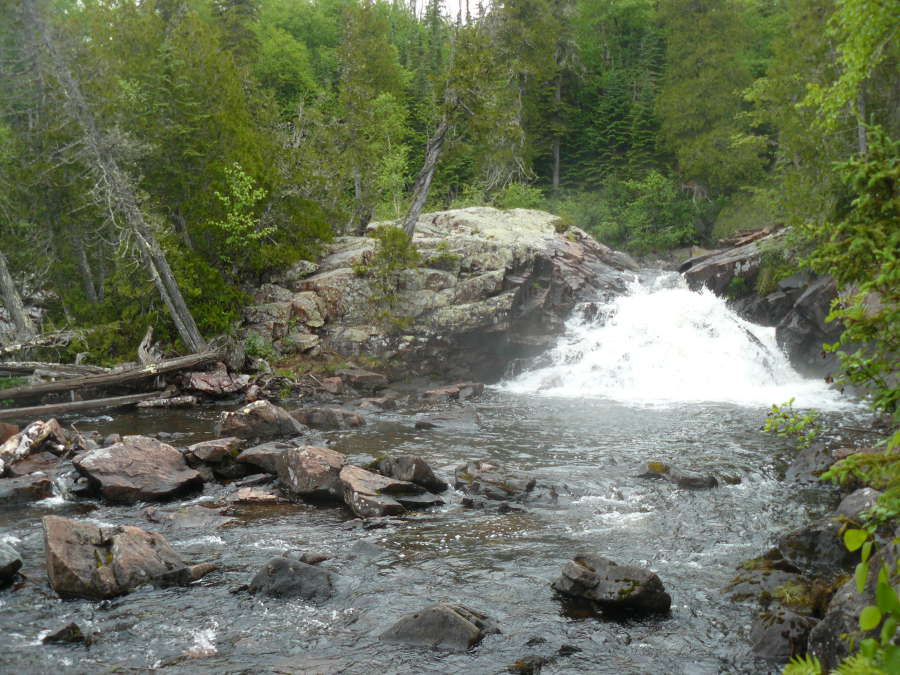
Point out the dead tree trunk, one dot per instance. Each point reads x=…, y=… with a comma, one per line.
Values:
x=557, y=98
x=13, y=302
x=87, y=276
x=115, y=184
x=423, y=182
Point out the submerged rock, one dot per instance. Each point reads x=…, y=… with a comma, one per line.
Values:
x=285, y=578
x=259, y=419
x=70, y=633
x=312, y=472
x=138, y=468
x=612, y=587
x=492, y=481
x=688, y=480
x=25, y=489
x=328, y=418
x=818, y=549
x=10, y=563
x=85, y=560
x=445, y=626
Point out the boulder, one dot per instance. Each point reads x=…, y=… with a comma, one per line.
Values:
x=853, y=505
x=265, y=456
x=36, y=461
x=492, y=481
x=70, y=633
x=808, y=464
x=688, y=480
x=333, y=385
x=371, y=495
x=328, y=418
x=455, y=392
x=216, y=451
x=285, y=578
x=443, y=626
x=10, y=563
x=138, y=469
x=761, y=584
x=259, y=419
x=379, y=403
x=85, y=560
x=614, y=588
x=312, y=472
x=7, y=431
x=363, y=380
x=818, y=549
x=413, y=469
x=215, y=382
x=779, y=634
x=25, y=489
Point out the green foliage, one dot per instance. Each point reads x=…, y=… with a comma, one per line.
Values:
x=805, y=664
x=394, y=253
x=783, y=420
x=737, y=288
x=240, y=226
x=518, y=196
x=257, y=347
x=774, y=265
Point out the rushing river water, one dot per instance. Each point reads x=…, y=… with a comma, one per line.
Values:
x=660, y=374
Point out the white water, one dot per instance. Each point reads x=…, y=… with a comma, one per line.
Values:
x=662, y=344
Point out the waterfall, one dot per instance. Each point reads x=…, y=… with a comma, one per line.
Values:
x=662, y=343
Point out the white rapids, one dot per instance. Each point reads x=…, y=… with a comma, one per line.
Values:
x=662, y=343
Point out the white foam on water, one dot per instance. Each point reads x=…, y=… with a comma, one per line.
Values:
x=662, y=344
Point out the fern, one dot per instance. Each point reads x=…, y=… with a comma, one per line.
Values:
x=803, y=665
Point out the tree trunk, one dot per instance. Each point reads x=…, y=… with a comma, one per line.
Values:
x=423, y=182
x=116, y=184
x=87, y=276
x=557, y=97
x=13, y=302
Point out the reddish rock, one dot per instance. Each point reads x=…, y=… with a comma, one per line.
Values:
x=216, y=451
x=328, y=418
x=259, y=419
x=216, y=382
x=371, y=495
x=364, y=380
x=333, y=385
x=85, y=560
x=312, y=472
x=381, y=403
x=25, y=489
x=137, y=469
x=37, y=461
x=265, y=456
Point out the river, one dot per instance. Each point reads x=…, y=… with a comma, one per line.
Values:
x=659, y=374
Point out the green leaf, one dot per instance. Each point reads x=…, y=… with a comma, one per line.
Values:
x=886, y=597
x=888, y=630
x=866, y=551
x=853, y=539
x=861, y=574
x=869, y=618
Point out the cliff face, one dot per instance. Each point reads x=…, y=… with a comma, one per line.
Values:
x=492, y=286
x=797, y=307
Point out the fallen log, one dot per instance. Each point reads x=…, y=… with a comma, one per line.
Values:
x=61, y=370
x=112, y=378
x=76, y=406
x=59, y=339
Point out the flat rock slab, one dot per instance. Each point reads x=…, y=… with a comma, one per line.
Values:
x=444, y=626
x=25, y=489
x=371, y=495
x=265, y=455
x=285, y=578
x=363, y=380
x=818, y=549
x=215, y=382
x=312, y=472
x=779, y=634
x=36, y=461
x=259, y=419
x=138, y=469
x=328, y=418
x=613, y=587
x=85, y=560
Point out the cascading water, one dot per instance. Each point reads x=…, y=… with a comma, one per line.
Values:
x=661, y=343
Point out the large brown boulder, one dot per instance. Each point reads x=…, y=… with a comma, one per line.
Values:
x=137, y=469
x=261, y=420
x=85, y=560
x=25, y=489
x=311, y=472
x=328, y=418
x=265, y=455
x=215, y=382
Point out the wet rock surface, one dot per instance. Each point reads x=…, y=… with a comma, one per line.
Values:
x=328, y=418
x=613, y=588
x=780, y=634
x=265, y=455
x=371, y=495
x=442, y=626
x=10, y=563
x=817, y=549
x=282, y=577
x=136, y=469
x=25, y=489
x=85, y=560
x=412, y=469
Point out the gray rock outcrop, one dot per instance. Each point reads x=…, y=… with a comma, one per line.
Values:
x=444, y=626
x=285, y=578
x=312, y=472
x=612, y=587
x=260, y=420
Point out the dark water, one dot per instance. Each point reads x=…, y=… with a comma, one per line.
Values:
x=499, y=564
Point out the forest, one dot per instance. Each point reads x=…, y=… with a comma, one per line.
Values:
x=160, y=158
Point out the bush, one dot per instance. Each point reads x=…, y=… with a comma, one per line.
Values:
x=519, y=196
